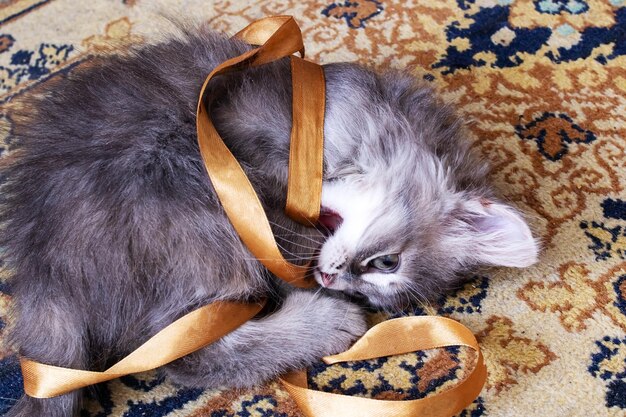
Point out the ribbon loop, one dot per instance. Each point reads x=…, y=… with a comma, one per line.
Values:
x=405, y=335
x=238, y=197
x=394, y=337
x=280, y=35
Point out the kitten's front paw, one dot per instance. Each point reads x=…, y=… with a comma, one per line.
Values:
x=327, y=325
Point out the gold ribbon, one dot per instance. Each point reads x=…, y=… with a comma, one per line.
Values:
x=240, y=201
x=395, y=337
x=279, y=37
x=306, y=150
x=191, y=332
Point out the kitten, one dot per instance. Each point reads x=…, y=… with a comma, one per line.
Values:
x=112, y=229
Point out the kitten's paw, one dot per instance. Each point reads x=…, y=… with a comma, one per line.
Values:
x=307, y=327
x=328, y=325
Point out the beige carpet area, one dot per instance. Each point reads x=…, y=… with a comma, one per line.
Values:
x=542, y=84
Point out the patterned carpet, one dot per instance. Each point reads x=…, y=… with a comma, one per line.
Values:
x=543, y=84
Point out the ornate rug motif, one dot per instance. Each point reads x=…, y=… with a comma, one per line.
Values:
x=542, y=85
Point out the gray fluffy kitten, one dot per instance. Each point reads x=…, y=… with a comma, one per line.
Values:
x=112, y=229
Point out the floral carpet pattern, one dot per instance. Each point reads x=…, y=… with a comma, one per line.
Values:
x=542, y=84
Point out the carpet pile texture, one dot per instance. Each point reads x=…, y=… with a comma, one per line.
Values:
x=542, y=84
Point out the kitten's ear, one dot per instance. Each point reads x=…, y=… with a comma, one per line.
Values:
x=499, y=234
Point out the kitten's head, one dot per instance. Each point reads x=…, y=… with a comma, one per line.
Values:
x=406, y=202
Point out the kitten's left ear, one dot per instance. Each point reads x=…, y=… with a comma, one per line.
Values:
x=498, y=234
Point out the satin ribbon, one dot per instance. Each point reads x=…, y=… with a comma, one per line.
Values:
x=279, y=37
x=395, y=337
x=306, y=150
x=239, y=200
x=191, y=332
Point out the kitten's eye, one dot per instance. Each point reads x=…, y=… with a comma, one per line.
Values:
x=386, y=263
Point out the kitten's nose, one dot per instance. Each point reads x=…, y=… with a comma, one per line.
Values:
x=327, y=279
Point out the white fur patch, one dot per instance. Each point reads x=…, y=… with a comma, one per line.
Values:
x=385, y=282
x=357, y=206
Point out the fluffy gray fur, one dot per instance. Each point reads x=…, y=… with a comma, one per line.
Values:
x=113, y=230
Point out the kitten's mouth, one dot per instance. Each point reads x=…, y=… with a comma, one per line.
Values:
x=329, y=220
x=326, y=279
